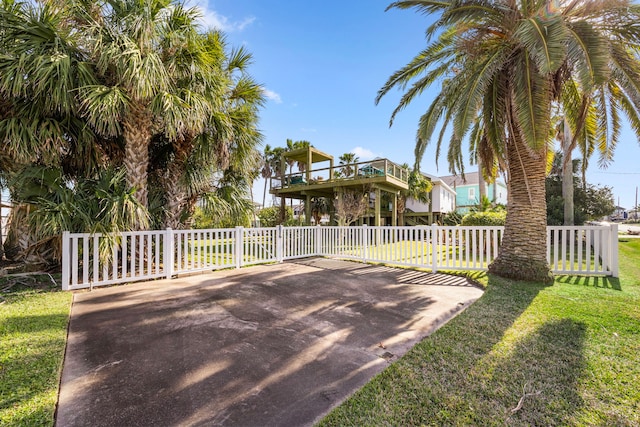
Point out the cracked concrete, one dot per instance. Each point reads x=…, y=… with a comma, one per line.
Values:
x=271, y=345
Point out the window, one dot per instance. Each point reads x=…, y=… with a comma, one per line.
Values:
x=472, y=193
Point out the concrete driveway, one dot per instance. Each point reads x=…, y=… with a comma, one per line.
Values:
x=272, y=345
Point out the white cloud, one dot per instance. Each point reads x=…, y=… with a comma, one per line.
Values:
x=364, y=154
x=275, y=97
x=213, y=19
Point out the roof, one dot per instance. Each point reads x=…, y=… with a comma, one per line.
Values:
x=456, y=180
x=438, y=181
x=300, y=155
x=470, y=178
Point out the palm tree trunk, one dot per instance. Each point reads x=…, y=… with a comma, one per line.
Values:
x=175, y=194
x=522, y=255
x=174, y=184
x=264, y=193
x=401, y=208
x=137, y=136
x=482, y=188
x=567, y=175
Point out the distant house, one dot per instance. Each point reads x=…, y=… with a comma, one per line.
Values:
x=468, y=191
x=442, y=201
x=620, y=214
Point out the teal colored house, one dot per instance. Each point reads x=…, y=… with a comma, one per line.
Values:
x=467, y=190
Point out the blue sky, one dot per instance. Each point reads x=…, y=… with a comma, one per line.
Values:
x=322, y=63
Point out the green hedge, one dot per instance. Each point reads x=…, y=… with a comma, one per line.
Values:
x=485, y=218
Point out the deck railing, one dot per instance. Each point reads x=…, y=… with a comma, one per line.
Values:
x=353, y=171
x=96, y=259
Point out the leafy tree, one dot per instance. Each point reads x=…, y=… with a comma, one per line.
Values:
x=350, y=205
x=502, y=67
x=270, y=217
x=591, y=202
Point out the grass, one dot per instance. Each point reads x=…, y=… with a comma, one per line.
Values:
x=33, y=330
x=523, y=354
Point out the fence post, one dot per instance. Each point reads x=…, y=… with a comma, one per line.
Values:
x=613, y=249
x=434, y=247
x=169, y=252
x=279, y=244
x=318, y=240
x=66, y=262
x=239, y=246
x=365, y=243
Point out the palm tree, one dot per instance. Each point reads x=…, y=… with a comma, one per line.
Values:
x=513, y=62
x=564, y=135
x=228, y=135
x=43, y=64
x=151, y=78
x=302, y=166
x=319, y=208
x=266, y=172
x=346, y=160
x=419, y=189
x=290, y=147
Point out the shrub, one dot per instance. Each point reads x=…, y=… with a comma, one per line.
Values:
x=269, y=216
x=452, y=218
x=485, y=218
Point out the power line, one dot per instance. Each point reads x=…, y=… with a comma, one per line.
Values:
x=619, y=173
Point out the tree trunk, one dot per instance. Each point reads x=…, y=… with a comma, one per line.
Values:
x=137, y=136
x=523, y=252
x=1, y=235
x=567, y=174
x=264, y=193
x=175, y=195
x=401, y=208
x=173, y=182
x=482, y=188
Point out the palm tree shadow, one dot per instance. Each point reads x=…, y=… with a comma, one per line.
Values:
x=450, y=363
x=545, y=367
x=471, y=372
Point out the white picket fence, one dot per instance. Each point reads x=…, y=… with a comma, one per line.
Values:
x=95, y=259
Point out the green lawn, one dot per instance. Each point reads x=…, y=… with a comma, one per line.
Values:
x=33, y=330
x=523, y=354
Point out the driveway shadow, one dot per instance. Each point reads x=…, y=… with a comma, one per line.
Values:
x=267, y=345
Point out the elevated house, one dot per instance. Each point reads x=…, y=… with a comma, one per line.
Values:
x=467, y=189
x=381, y=178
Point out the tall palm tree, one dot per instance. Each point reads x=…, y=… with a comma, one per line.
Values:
x=42, y=65
x=138, y=46
x=227, y=136
x=419, y=189
x=266, y=172
x=302, y=166
x=508, y=63
x=347, y=160
x=291, y=145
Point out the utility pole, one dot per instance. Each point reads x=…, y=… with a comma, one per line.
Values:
x=636, y=207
